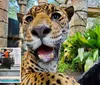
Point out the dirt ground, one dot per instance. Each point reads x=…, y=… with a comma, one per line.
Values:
x=74, y=74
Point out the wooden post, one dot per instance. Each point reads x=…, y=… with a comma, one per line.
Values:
x=22, y=4
x=79, y=20
x=42, y=1
x=93, y=12
x=3, y=22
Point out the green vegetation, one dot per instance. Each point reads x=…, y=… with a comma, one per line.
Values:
x=13, y=9
x=80, y=51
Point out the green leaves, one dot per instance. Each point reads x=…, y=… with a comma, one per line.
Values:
x=83, y=48
x=97, y=31
x=98, y=44
x=81, y=53
x=91, y=59
x=62, y=67
x=89, y=63
x=86, y=58
x=95, y=54
x=13, y=9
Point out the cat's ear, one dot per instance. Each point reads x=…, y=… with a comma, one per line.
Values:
x=69, y=11
x=20, y=17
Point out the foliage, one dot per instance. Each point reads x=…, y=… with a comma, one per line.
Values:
x=86, y=58
x=83, y=49
x=13, y=9
x=31, y=3
x=64, y=67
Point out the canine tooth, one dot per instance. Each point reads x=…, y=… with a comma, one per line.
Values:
x=52, y=55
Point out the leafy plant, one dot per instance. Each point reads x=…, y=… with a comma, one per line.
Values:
x=65, y=67
x=86, y=58
x=83, y=49
x=71, y=45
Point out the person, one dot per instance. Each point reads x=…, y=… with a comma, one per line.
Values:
x=1, y=57
x=6, y=53
x=6, y=60
x=11, y=55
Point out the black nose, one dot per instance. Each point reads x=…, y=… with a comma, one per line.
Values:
x=40, y=31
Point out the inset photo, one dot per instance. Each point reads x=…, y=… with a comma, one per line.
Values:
x=10, y=65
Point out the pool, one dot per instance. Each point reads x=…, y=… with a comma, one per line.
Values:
x=9, y=81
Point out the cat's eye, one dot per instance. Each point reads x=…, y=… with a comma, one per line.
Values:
x=29, y=18
x=55, y=16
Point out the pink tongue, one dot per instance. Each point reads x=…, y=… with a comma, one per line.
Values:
x=44, y=50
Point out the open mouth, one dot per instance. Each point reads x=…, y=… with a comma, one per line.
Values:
x=45, y=53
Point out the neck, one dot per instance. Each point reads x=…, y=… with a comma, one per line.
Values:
x=50, y=66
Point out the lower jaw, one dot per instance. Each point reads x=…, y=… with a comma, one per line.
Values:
x=46, y=61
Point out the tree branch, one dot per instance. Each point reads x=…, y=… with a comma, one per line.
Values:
x=58, y=2
x=66, y=1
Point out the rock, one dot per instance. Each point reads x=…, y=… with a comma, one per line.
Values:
x=92, y=76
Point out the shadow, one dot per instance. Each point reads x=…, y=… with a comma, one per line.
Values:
x=6, y=63
x=92, y=76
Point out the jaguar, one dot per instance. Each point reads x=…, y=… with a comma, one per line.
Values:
x=44, y=29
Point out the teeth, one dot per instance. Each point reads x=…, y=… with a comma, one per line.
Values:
x=46, y=57
x=52, y=55
x=41, y=56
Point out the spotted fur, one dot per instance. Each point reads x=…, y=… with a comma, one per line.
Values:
x=33, y=74
x=44, y=29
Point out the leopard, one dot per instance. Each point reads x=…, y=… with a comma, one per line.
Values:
x=44, y=29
